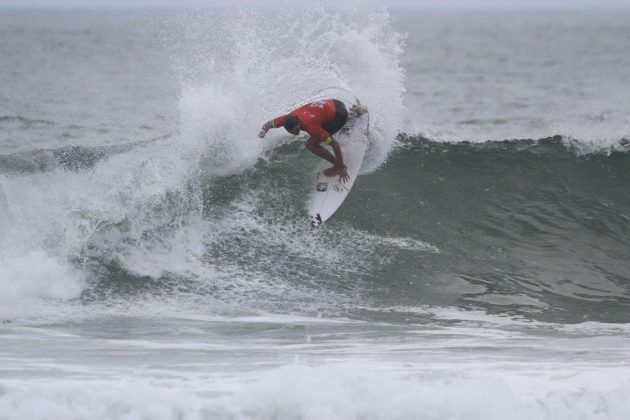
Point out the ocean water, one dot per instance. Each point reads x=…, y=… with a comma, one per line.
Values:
x=156, y=259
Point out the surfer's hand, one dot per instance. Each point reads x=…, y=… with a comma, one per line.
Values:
x=343, y=174
x=262, y=133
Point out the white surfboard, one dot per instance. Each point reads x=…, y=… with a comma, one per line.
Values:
x=328, y=192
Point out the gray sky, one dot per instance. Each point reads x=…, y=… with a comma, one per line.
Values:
x=395, y=3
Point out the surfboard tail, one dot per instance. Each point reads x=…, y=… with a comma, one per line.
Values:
x=316, y=220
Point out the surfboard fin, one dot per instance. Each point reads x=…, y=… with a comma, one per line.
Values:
x=316, y=220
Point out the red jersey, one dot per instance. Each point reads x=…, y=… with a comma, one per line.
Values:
x=312, y=116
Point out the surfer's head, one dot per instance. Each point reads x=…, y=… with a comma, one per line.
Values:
x=292, y=124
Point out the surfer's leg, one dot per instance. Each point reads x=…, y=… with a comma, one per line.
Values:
x=332, y=171
x=320, y=151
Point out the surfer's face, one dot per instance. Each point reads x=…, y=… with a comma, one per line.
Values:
x=295, y=130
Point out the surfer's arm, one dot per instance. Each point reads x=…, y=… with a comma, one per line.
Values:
x=321, y=135
x=342, y=170
x=338, y=156
x=275, y=123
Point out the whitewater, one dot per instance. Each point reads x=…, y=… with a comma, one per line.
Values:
x=157, y=262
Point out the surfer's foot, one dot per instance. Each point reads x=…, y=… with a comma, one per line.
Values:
x=332, y=171
x=357, y=110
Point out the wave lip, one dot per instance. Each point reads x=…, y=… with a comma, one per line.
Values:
x=73, y=158
x=24, y=121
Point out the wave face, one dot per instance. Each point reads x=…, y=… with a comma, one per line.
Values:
x=530, y=223
x=525, y=227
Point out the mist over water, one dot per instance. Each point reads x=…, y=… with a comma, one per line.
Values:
x=159, y=254
x=240, y=68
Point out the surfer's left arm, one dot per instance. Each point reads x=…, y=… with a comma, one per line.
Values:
x=275, y=123
x=341, y=167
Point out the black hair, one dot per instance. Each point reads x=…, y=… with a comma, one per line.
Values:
x=290, y=121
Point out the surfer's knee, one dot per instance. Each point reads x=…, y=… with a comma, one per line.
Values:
x=311, y=144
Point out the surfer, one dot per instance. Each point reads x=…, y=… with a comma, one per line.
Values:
x=321, y=120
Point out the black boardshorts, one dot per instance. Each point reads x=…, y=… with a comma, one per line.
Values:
x=341, y=118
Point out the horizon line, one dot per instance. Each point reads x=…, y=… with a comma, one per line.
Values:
x=392, y=7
